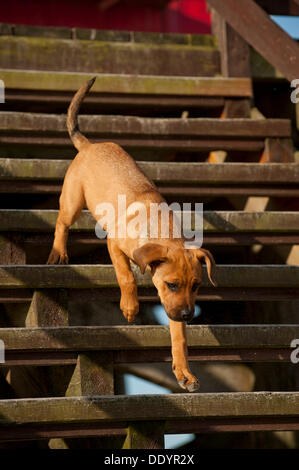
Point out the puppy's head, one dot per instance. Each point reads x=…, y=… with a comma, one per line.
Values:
x=177, y=274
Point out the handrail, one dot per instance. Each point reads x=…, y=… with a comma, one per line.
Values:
x=262, y=33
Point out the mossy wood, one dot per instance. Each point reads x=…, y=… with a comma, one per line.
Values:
x=38, y=53
x=148, y=407
x=92, y=276
x=27, y=80
x=39, y=220
x=164, y=172
x=133, y=337
x=139, y=126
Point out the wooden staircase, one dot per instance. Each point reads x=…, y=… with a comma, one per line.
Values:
x=163, y=99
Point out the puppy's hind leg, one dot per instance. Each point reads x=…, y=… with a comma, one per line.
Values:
x=71, y=204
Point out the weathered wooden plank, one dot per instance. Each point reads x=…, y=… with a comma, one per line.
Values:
x=92, y=276
x=236, y=221
x=138, y=142
x=20, y=187
x=76, y=239
x=107, y=126
x=107, y=35
x=52, y=358
x=164, y=172
x=148, y=407
x=122, y=103
x=210, y=425
x=136, y=337
x=255, y=26
x=19, y=168
x=40, y=31
x=204, y=425
x=259, y=354
x=108, y=57
x=149, y=294
x=126, y=84
x=127, y=356
x=237, y=239
x=201, y=40
x=41, y=220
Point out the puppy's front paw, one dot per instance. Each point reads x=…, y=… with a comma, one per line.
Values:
x=130, y=308
x=190, y=386
x=185, y=379
x=56, y=257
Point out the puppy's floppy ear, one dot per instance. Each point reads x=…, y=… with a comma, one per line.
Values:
x=148, y=254
x=205, y=255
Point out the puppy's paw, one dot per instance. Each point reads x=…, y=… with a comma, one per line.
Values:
x=56, y=257
x=190, y=386
x=185, y=379
x=130, y=308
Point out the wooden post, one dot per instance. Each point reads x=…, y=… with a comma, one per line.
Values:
x=12, y=249
x=235, y=62
x=262, y=33
x=49, y=307
x=278, y=151
x=93, y=375
x=145, y=435
x=22, y=381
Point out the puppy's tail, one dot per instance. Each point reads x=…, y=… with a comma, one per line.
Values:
x=77, y=138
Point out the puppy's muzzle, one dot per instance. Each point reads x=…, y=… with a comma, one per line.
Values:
x=187, y=314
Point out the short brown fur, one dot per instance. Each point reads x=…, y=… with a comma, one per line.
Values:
x=99, y=173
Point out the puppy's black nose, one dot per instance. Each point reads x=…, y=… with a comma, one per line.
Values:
x=187, y=314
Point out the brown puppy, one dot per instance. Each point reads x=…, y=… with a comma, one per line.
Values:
x=100, y=173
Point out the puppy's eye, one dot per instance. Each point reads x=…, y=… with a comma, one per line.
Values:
x=173, y=287
x=195, y=286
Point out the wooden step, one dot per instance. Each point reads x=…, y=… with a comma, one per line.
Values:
x=237, y=228
x=197, y=53
x=45, y=91
x=119, y=36
x=201, y=412
x=135, y=132
x=240, y=277
x=164, y=172
x=108, y=56
x=135, y=344
x=19, y=175
x=142, y=90
x=41, y=220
